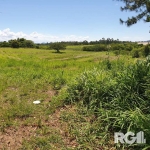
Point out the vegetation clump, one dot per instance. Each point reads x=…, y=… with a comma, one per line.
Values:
x=57, y=46
x=120, y=100
x=18, y=43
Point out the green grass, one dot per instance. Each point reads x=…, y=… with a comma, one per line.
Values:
x=118, y=96
x=27, y=75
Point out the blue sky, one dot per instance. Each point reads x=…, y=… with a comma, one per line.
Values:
x=67, y=20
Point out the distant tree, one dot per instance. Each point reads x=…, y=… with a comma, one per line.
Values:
x=85, y=42
x=37, y=46
x=14, y=44
x=57, y=46
x=21, y=39
x=5, y=44
x=103, y=39
x=21, y=42
x=142, y=7
x=29, y=44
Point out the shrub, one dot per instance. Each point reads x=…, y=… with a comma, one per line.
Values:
x=87, y=48
x=37, y=46
x=118, y=47
x=116, y=52
x=95, y=48
x=128, y=48
x=135, y=54
x=146, y=50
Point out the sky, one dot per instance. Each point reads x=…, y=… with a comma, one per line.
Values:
x=67, y=20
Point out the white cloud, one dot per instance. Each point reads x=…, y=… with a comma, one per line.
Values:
x=7, y=34
x=133, y=38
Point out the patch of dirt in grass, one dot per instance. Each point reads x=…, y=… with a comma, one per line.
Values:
x=50, y=94
x=13, y=137
x=62, y=127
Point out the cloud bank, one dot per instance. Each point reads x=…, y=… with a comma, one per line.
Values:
x=7, y=34
x=133, y=38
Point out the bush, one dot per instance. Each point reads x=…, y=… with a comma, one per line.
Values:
x=125, y=89
x=118, y=47
x=128, y=48
x=87, y=48
x=146, y=50
x=37, y=47
x=135, y=54
x=116, y=52
x=96, y=48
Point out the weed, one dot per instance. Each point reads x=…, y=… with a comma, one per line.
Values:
x=121, y=102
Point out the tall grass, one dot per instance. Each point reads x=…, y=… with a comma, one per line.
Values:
x=120, y=100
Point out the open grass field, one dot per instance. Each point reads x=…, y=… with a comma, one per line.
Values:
x=27, y=75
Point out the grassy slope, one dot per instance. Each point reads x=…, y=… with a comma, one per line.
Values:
x=29, y=74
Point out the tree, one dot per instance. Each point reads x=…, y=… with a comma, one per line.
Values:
x=5, y=44
x=29, y=44
x=21, y=42
x=146, y=51
x=14, y=44
x=57, y=46
x=142, y=7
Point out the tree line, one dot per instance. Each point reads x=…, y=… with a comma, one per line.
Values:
x=24, y=43
x=101, y=41
x=18, y=43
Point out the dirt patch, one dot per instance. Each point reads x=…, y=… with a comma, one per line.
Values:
x=12, y=138
x=50, y=94
x=62, y=127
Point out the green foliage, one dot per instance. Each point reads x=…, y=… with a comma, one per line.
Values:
x=120, y=100
x=58, y=81
x=57, y=46
x=4, y=44
x=37, y=46
x=140, y=6
x=146, y=50
x=114, y=47
x=18, y=43
x=14, y=44
x=21, y=42
x=96, y=48
x=116, y=52
x=135, y=54
x=130, y=85
x=29, y=44
x=118, y=47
